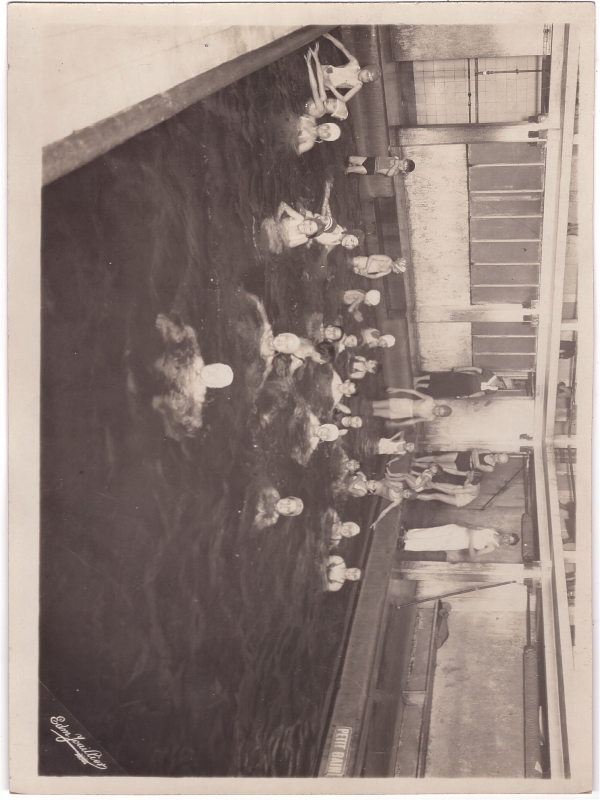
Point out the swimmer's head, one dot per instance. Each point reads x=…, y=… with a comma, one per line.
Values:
x=351, y=341
x=337, y=108
x=442, y=411
x=350, y=529
x=216, y=376
x=409, y=447
x=406, y=165
x=352, y=422
x=348, y=388
x=387, y=340
x=328, y=132
x=353, y=574
x=369, y=73
x=372, y=366
x=352, y=238
x=408, y=494
x=352, y=465
x=333, y=333
x=328, y=432
x=290, y=506
x=372, y=486
x=372, y=297
x=500, y=458
x=286, y=343
x=308, y=227
x=325, y=352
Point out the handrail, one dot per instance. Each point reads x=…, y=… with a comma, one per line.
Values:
x=426, y=720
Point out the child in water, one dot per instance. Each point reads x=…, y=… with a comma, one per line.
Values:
x=271, y=506
x=320, y=103
x=354, y=298
x=351, y=76
x=362, y=366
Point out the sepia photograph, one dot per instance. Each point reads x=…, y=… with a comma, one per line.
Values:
x=310, y=396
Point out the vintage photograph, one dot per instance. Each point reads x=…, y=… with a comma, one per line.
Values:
x=315, y=375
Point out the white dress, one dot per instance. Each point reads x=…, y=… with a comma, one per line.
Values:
x=447, y=537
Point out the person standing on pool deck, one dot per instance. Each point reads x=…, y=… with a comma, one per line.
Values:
x=460, y=382
x=389, y=166
x=461, y=462
x=409, y=410
x=351, y=76
x=478, y=541
x=377, y=266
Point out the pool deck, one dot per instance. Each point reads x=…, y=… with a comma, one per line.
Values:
x=355, y=684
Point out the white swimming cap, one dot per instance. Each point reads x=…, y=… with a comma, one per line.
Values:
x=341, y=110
x=334, y=131
x=332, y=430
x=353, y=529
x=388, y=339
x=217, y=376
x=372, y=297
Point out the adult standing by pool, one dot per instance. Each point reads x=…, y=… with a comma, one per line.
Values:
x=459, y=382
x=478, y=541
x=408, y=410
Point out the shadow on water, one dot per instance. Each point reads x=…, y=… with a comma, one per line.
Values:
x=187, y=641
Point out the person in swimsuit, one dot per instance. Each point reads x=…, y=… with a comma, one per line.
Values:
x=418, y=483
x=377, y=266
x=395, y=446
x=410, y=411
x=391, y=491
x=373, y=338
x=340, y=389
x=478, y=541
x=345, y=422
x=320, y=103
x=339, y=530
x=390, y=166
x=337, y=573
x=351, y=76
x=271, y=506
x=331, y=333
x=463, y=461
x=451, y=494
x=309, y=133
x=460, y=382
x=353, y=298
x=362, y=366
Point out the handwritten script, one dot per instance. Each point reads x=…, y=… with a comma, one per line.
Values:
x=76, y=743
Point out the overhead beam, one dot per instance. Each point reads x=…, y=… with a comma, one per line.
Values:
x=81, y=147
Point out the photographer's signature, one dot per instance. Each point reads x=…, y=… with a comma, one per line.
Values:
x=76, y=742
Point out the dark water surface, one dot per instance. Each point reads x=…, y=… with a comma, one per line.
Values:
x=184, y=639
